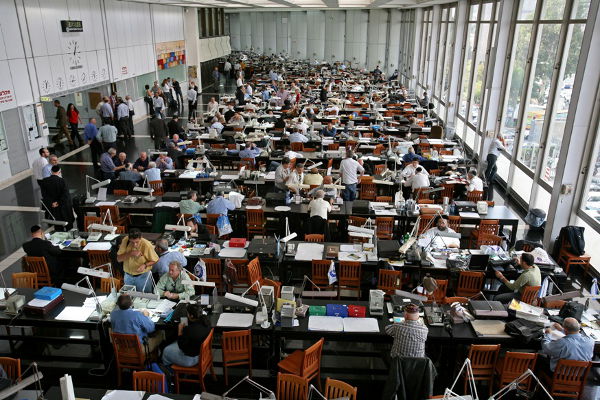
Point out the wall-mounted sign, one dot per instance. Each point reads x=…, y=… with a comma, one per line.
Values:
x=6, y=96
x=71, y=26
x=123, y=70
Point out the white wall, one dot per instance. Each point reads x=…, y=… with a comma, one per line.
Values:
x=298, y=35
x=234, y=30
x=315, y=35
x=282, y=23
x=269, y=33
x=355, y=49
x=377, y=38
x=256, y=29
x=393, y=42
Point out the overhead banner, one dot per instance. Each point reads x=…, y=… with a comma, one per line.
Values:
x=170, y=54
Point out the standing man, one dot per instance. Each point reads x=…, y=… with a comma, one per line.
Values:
x=216, y=76
x=106, y=111
x=108, y=136
x=497, y=145
x=138, y=256
x=107, y=165
x=90, y=135
x=39, y=164
x=409, y=335
x=131, y=113
x=158, y=103
x=52, y=161
x=227, y=69
x=158, y=131
x=123, y=118
x=349, y=169
x=61, y=123
x=178, y=94
x=56, y=197
x=192, y=96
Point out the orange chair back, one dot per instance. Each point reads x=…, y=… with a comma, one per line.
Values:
x=151, y=382
x=254, y=271
x=206, y=357
x=106, y=284
x=455, y=299
x=448, y=191
x=335, y=389
x=255, y=220
x=241, y=272
x=248, y=163
x=211, y=229
x=515, y=364
x=383, y=199
x=454, y=223
x=98, y=257
x=425, y=201
x=214, y=270
x=311, y=364
x=128, y=353
x=379, y=168
x=385, y=227
x=368, y=191
x=475, y=195
x=114, y=212
x=237, y=347
x=529, y=294
x=569, y=378
x=469, y=283
x=389, y=280
x=314, y=238
x=291, y=387
x=349, y=273
x=38, y=266
x=12, y=367
x=484, y=239
x=297, y=146
x=425, y=222
x=333, y=146
x=356, y=221
x=422, y=193
x=439, y=294
x=483, y=358
x=88, y=220
x=158, y=188
x=319, y=271
x=121, y=192
x=25, y=280
x=211, y=219
x=489, y=226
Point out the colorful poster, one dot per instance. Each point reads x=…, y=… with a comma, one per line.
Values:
x=170, y=54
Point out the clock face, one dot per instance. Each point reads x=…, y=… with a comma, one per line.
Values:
x=60, y=83
x=46, y=86
x=93, y=75
x=74, y=53
x=72, y=79
x=83, y=77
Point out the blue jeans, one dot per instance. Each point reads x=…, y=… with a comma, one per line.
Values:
x=172, y=354
x=138, y=282
x=349, y=193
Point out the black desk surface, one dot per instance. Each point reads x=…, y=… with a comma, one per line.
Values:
x=96, y=394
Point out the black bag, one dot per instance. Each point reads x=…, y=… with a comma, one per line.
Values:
x=572, y=309
x=524, y=330
x=360, y=206
x=275, y=198
x=574, y=236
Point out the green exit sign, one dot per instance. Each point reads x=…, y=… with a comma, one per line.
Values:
x=71, y=26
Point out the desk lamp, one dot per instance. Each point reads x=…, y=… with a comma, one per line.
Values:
x=103, y=227
x=180, y=226
x=52, y=221
x=262, y=389
x=262, y=313
x=23, y=383
x=514, y=385
x=143, y=295
x=145, y=189
x=88, y=189
x=196, y=281
x=98, y=273
x=89, y=291
x=561, y=296
x=449, y=392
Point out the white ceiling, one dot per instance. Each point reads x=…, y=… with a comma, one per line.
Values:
x=297, y=4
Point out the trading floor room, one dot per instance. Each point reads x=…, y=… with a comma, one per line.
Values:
x=300, y=199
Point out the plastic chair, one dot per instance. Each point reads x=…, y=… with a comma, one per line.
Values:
x=439, y=294
x=291, y=387
x=205, y=363
x=158, y=188
x=348, y=274
x=512, y=366
x=389, y=280
x=569, y=378
x=475, y=196
x=129, y=354
x=314, y=238
x=255, y=222
x=38, y=266
x=483, y=361
x=214, y=271
x=106, y=284
x=12, y=367
x=147, y=381
x=305, y=363
x=529, y=295
x=385, y=227
x=237, y=350
x=335, y=389
x=469, y=283
x=25, y=280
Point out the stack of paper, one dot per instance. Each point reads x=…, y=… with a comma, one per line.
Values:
x=235, y=320
x=309, y=251
x=325, y=323
x=360, y=325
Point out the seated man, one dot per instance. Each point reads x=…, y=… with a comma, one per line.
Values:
x=171, y=285
x=174, y=126
x=166, y=257
x=329, y=130
x=129, y=174
x=318, y=208
x=190, y=205
x=314, y=178
x=198, y=230
x=531, y=276
x=419, y=181
x=282, y=174
x=572, y=346
x=441, y=227
x=475, y=182
x=178, y=142
x=330, y=193
x=250, y=151
x=219, y=205
x=296, y=178
x=124, y=319
x=411, y=156
x=142, y=162
x=38, y=246
x=164, y=162
x=409, y=335
x=152, y=173
x=218, y=124
x=297, y=137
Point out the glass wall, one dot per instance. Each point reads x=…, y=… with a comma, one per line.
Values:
x=425, y=47
x=211, y=22
x=407, y=40
x=445, y=49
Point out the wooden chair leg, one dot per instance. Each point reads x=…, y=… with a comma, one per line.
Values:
x=202, y=384
x=119, y=377
x=212, y=372
x=177, y=383
x=225, y=374
x=319, y=379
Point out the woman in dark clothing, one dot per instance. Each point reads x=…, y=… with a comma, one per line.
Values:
x=73, y=115
x=186, y=349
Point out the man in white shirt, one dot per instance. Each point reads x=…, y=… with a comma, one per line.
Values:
x=302, y=126
x=282, y=175
x=496, y=147
x=475, y=182
x=349, y=169
x=218, y=125
x=39, y=164
x=297, y=137
x=441, y=227
x=319, y=207
x=192, y=96
x=227, y=69
x=152, y=173
x=296, y=178
x=419, y=180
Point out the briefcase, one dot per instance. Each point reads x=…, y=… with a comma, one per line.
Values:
x=388, y=248
x=32, y=310
x=360, y=206
x=337, y=310
x=171, y=196
x=357, y=311
x=317, y=310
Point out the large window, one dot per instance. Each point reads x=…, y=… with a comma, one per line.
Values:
x=591, y=199
x=425, y=47
x=444, y=58
x=407, y=40
x=211, y=22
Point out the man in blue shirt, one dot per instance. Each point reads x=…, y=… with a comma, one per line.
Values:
x=52, y=161
x=572, y=346
x=411, y=156
x=164, y=162
x=297, y=137
x=219, y=205
x=152, y=173
x=166, y=257
x=90, y=135
x=329, y=130
x=124, y=319
x=107, y=166
x=106, y=111
x=108, y=135
x=250, y=151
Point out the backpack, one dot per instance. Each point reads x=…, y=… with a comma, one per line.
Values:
x=574, y=236
x=571, y=309
x=524, y=330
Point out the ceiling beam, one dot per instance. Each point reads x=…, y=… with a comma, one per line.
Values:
x=331, y=3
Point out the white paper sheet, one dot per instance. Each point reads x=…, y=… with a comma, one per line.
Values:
x=309, y=251
x=348, y=247
x=157, y=397
x=171, y=204
x=225, y=177
x=97, y=246
x=123, y=395
x=360, y=325
x=74, y=314
x=235, y=320
x=105, y=203
x=232, y=252
x=386, y=212
x=325, y=323
x=468, y=215
x=39, y=303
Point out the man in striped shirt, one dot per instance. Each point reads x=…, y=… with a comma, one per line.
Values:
x=409, y=335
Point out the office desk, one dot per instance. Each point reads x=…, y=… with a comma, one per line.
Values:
x=96, y=394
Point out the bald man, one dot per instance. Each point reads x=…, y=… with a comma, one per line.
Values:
x=573, y=346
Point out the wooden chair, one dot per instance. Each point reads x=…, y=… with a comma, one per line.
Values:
x=25, y=280
x=319, y=273
x=488, y=240
x=90, y=219
x=211, y=229
x=115, y=215
x=448, y=191
x=569, y=378
x=454, y=223
x=314, y=238
x=211, y=219
x=297, y=146
x=389, y=280
x=291, y=387
x=12, y=367
x=435, y=172
x=469, y=283
x=425, y=223
x=158, y=187
x=98, y=257
x=385, y=227
x=241, y=267
x=422, y=193
x=121, y=192
x=455, y=299
x=38, y=266
x=368, y=191
x=248, y=163
x=255, y=222
x=529, y=295
x=475, y=196
x=383, y=199
x=333, y=146
x=356, y=221
x=106, y=284
x=304, y=363
x=151, y=382
x=425, y=201
x=566, y=258
x=483, y=361
x=335, y=389
x=379, y=168
x=237, y=350
x=214, y=271
x=255, y=274
x=129, y=354
x=439, y=294
x=512, y=366
x=348, y=274
x=205, y=363
x=489, y=226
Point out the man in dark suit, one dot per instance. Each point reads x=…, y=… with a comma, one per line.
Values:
x=158, y=131
x=56, y=197
x=61, y=123
x=40, y=247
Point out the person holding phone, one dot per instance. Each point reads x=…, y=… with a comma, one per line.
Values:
x=186, y=349
x=138, y=256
